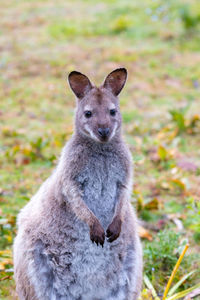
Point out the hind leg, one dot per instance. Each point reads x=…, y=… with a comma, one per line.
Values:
x=24, y=288
x=133, y=269
x=132, y=274
x=44, y=277
x=124, y=292
x=32, y=273
x=25, y=292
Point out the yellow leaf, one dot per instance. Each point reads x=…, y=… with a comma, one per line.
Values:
x=162, y=152
x=178, y=183
x=144, y=233
x=9, y=238
x=2, y=267
x=27, y=150
x=152, y=204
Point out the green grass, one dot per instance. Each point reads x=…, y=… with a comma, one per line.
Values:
x=158, y=42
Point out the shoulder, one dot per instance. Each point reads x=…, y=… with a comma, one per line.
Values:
x=73, y=157
x=123, y=152
x=73, y=149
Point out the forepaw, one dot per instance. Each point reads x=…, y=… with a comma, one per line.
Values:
x=114, y=229
x=97, y=234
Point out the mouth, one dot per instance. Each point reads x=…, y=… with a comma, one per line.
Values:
x=103, y=134
x=96, y=136
x=103, y=139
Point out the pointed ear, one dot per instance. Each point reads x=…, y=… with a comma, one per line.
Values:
x=79, y=83
x=115, y=81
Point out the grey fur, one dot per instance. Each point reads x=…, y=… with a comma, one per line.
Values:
x=88, y=193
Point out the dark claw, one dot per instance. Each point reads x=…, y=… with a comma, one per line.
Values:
x=112, y=238
x=108, y=233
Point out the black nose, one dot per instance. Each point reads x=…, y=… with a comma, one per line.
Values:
x=103, y=132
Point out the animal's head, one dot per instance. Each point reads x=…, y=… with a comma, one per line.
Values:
x=98, y=114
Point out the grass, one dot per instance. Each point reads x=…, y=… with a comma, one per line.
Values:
x=158, y=42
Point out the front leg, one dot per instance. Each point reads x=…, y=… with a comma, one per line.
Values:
x=73, y=196
x=114, y=229
x=97, y=234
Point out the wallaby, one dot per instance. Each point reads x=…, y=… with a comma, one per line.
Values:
x=77, y=237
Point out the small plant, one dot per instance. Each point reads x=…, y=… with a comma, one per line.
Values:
x=121, y=24
x=183, y=124
x=178, y=117
x=169, y=294
x=190, y=21
x=193, y=220
x=159, y=255
x=30, y=151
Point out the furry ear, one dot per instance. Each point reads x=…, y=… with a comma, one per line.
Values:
x=79, y=83
x=115, y=81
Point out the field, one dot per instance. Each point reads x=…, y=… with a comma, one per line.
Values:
x=159, y=43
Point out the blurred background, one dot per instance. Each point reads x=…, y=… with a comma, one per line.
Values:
x=159, y=43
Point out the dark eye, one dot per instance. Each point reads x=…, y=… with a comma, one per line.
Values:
x=88, y=114
x=112, y=112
